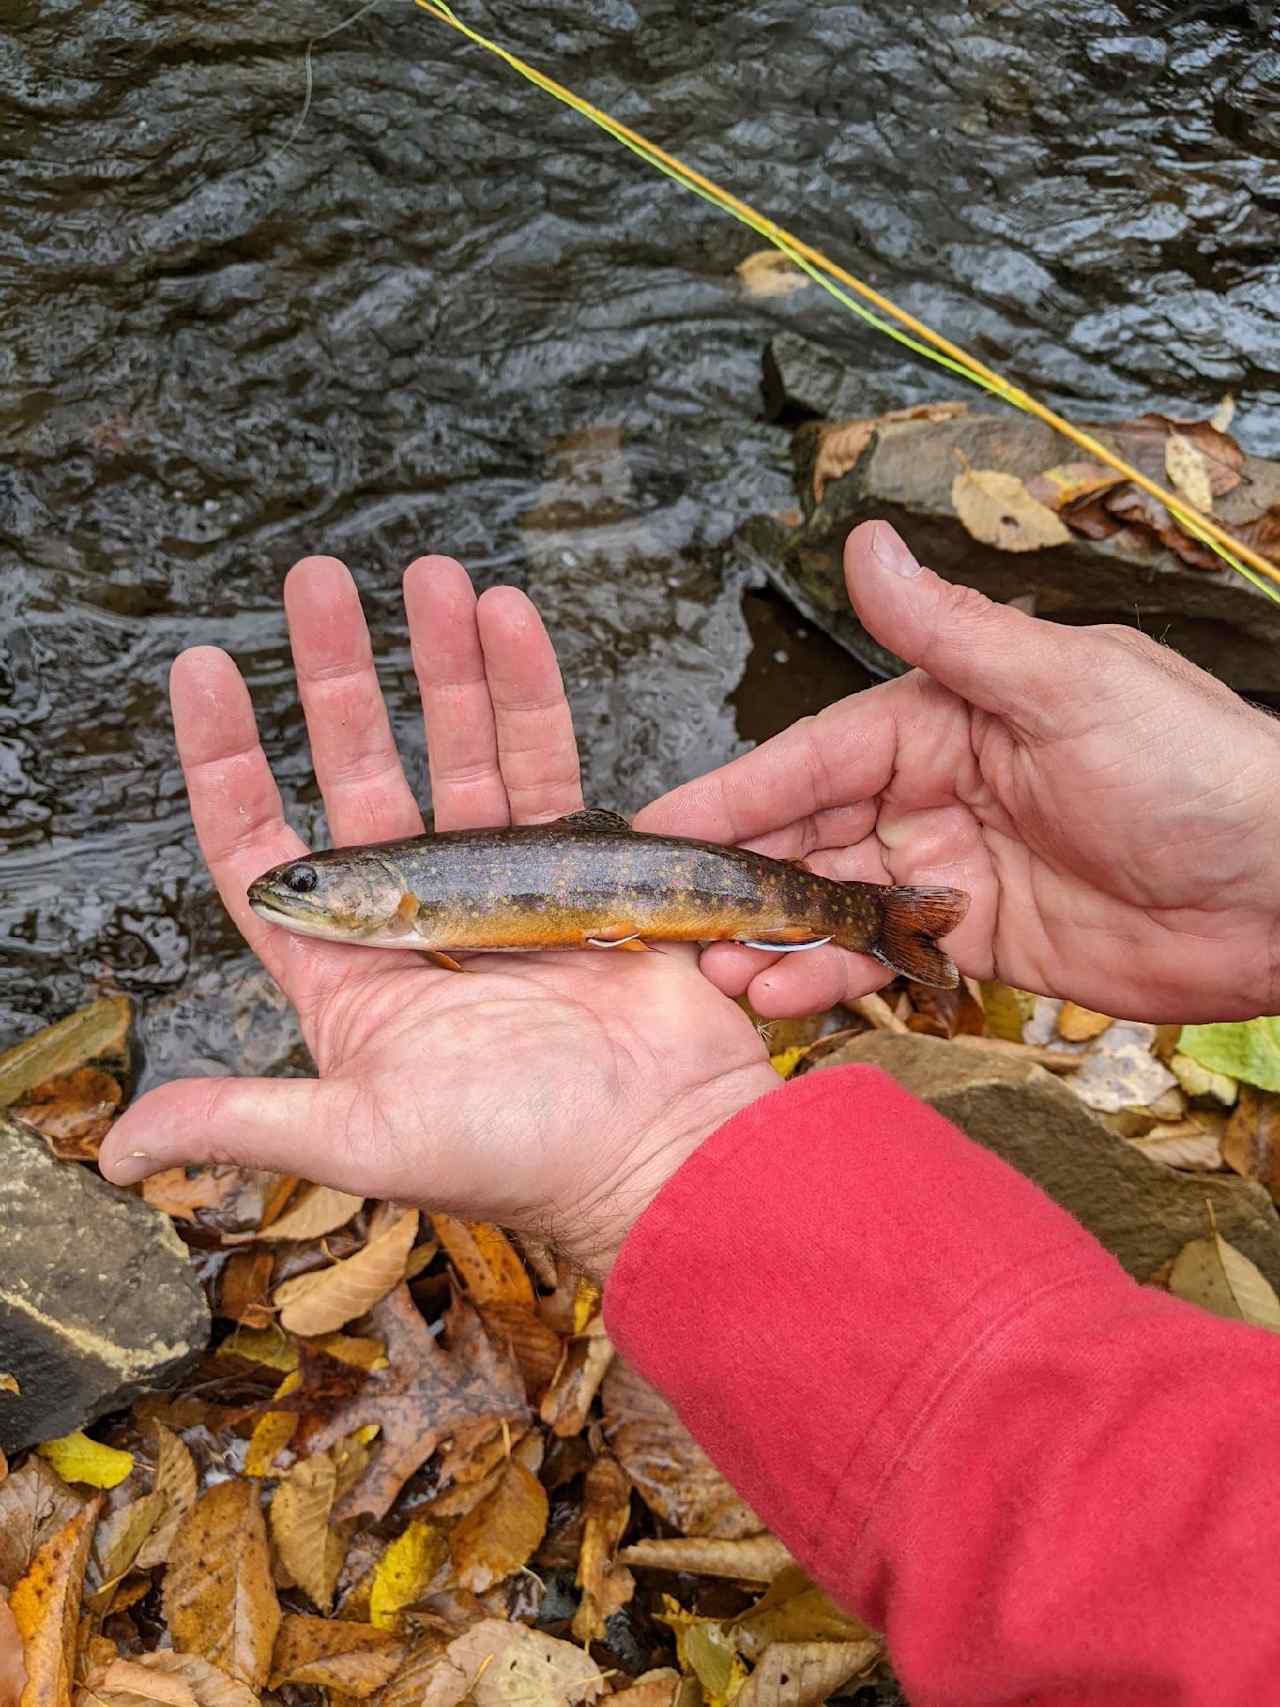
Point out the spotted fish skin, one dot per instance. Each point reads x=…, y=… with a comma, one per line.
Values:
x=590, y=880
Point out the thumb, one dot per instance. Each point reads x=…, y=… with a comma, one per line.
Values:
x=997, y=658
x=287, y=1125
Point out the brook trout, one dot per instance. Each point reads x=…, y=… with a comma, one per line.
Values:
x=591, y=881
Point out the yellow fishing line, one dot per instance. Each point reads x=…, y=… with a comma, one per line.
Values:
x=919, y=337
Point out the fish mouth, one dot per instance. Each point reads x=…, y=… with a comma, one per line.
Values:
x=294, y=915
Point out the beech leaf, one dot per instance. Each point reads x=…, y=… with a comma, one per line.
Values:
x=13, y=1665
x=406, y=1571
x=46, y=1608
x=606, y=1586
x=502, y=1533
x=1188, y=471
x=797, y=1674
x=311, y=1214
x=175, y=1483
x=76, y=1458
x=998, y=510
x=300, y=1512
x=487, y=1261
x=569, y=1398
x=1214, y=1274
x=754, y=1558
x=35, y=1503
x=319, y=1302
x=166, y=1678
x=334, y=1654
x=219, y=1598
x=536, y=1347
x=510, y=1665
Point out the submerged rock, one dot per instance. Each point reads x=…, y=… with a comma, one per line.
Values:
x=1141, y=1210
x=98, y=1302
x=904, y=476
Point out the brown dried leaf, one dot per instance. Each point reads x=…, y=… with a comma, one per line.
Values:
x=74, y=1111
x=223, y=1198
x=308, y=1547
x=668, y=1469
x=1214, y=1274
x=1183, y=1144
x=1070, y=483
x=425, y=1678
x=175, y=1483
x=312, y=1212
x=794, y=1609
x=606, y=1586
x=510, y=1665
x=245, y=1287
x=652, y=1689
x=487, y=1261
x=838, y=448
x=46, y=1608
x=998, y=510
x=424, y=1394
x=99, y=1032
x=1079, y=1025
x=796, y=1674
x=118, y=1541
x=1188, y=470
x=569, y=1398
x=333, y=1654
x=502, y=1533
x=13, y=1666
x=318, y=1303
x=753, y=1559
x=174, y=1680
x=768, y=272
x=219, y=1599
x=35, y=1504
x=536, y=1347
x=1250, y=1145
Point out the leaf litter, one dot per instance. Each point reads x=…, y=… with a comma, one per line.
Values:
x=411, y=1480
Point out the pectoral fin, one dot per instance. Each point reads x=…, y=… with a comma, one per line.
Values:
x=440, y=958
x=633, y=944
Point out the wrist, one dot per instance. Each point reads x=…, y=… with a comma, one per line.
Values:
x=659, y=1152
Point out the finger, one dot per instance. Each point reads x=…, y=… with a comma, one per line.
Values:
x=842, y=757
x=238, y=817
x=366, y=797
x=467, y=791
x=1019, y=667
x=827, y=978
x=536, y=747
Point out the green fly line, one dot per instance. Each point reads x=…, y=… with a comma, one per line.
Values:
x=922, y=339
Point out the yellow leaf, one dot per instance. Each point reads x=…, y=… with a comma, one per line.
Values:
x=219, y=1598
x=768, y=272
x=799, y=1674
x=489, y=1265
x=784, y=1062
x=586, y=1303
x=1188, y=471
x=309, y=1549
x=1218, y=1277
x=405, y=1572
x=10, y=1384
x=46, y=1607
x=271, y=1346
x=998, y=510
x=794, y=1609
x=1220, y=420
x=76, y=1458
x=1078, y=1025
x=317, y=1303
x=1198, y=1081
x=503, y=1532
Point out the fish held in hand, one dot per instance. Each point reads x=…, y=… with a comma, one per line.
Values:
x=591, y=881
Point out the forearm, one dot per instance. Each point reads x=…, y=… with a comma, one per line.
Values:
x=1041, y=1480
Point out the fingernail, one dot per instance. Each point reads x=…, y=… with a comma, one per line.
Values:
x=891, y=551
x=128, y=1170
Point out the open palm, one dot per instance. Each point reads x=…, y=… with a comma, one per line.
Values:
x=552, y=1092
x=1110, y=808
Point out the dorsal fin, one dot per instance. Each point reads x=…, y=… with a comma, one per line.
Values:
x=596, y=818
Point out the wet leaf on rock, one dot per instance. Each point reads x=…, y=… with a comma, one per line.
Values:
x=74, y=1111
x=1214, y=1274
x=768, y=272
x=997, y=509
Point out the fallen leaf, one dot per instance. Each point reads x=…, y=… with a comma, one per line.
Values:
x=794, y=1609
x=786, y=1059
x=1068, y=483
x=1221, y=418
x=657, y=1688
x=1079, y=1025
x=328, y=1298
x=313, y=1212
x=705, y=1647
x=486, y=1260
x=536, y=1347
x=753, y=1558
x=406, y=1571
x=569, y=1398
x=512, y=1666
x=175, y=1484
x=333, y=1654
x=797, y=1674
x=839, y=448
x=76, y=1458
x=1244, y=1049
x=304, y=1538
x=768, y=272
x=223, y=1198
x=1198, y=1081
x=99, y=1032
x=502, y=1533
x=606, y=1586
x=998, y=510
x=45, y=1604
x=10, y=1384
x=35, y=1503
x=667, y=1468
x=1214, y=1274
x=118, y=1541
x=1184, y=1144
x=1007, y=1010
x=1251, y=1143
x=219, y=1599
x=1119, y=1071
x=173, y=1680
x=272, y=1432
x=1188, y=471
x=425, y=1392
x=74, y=1111
x=244, y=1288
x=13, y=1667
x=271, y=1346
x=428, y=1678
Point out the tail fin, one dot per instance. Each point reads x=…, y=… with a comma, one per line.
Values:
x=913, y=918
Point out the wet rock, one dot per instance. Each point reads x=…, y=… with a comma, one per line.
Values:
x=97, y=1300
x=1142, y=1211
x=1214, y=617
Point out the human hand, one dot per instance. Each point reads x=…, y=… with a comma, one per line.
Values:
x=1113, y=811
x=550, y=1092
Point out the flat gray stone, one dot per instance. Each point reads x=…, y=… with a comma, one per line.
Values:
x=1141, y=1210
x=98, y=1300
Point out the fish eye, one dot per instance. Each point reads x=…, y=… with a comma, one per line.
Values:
x=301, y=879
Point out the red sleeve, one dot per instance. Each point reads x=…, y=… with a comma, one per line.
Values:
x=1045, y=1483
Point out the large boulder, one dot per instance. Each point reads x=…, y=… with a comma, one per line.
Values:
x=1213, y=616
x=1141, y=1210
x=98, y=1301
